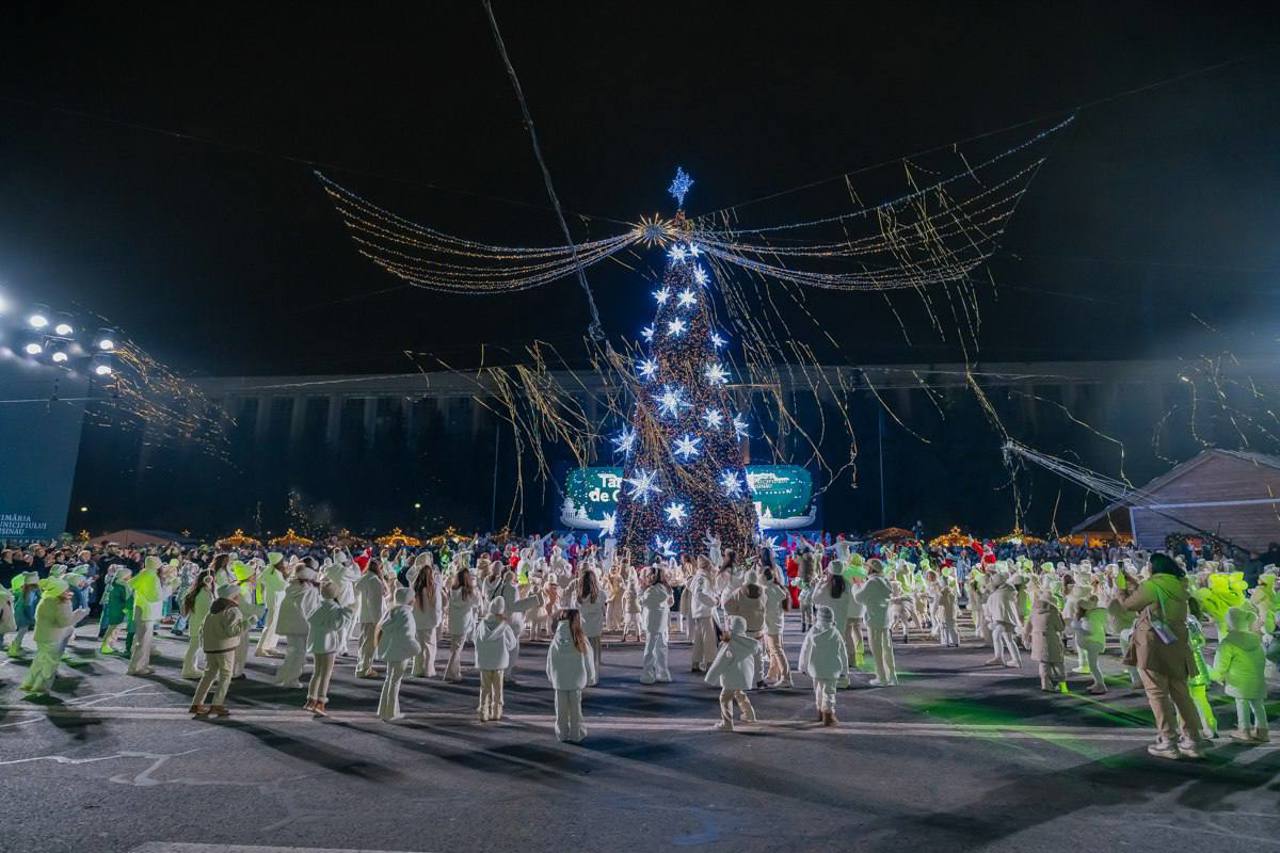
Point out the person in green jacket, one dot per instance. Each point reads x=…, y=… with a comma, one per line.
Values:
x=119, y=605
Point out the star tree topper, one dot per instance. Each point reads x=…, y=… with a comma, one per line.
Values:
x=680, y=186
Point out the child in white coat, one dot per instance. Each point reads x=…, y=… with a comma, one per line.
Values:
x=825, y=657
x=330, y=626
x=734, y=671
x=1241, y=665
x=495, y=641
x=397, y=644
x=1090, y=628
x=590, y=601
x=54, y=621
x=570, y=668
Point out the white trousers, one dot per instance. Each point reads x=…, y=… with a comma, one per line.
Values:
x=193, y=660
x=882, y=653
x=597, y=652
x=365, y=652
x=655, y=658
x=140, y=656
x=270, y=639
x=569, y=716
x=704, y=641
x=241, y=656
x=453, y=671
x=1006, y=648
x=424, y=664
x=295, y=658
x=824, y=694
x=44, y=667
x=389, y=703
x=218, y=668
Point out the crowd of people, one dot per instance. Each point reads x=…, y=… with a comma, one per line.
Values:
x=388, y=611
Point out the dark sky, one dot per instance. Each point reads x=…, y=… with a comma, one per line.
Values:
x=229, y=259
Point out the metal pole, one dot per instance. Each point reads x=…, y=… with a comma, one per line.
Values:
x=493, y=507
x=880, y=450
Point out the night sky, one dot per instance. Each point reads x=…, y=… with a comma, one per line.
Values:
x=227, y=258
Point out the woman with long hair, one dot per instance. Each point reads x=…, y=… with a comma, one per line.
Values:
x=463, y=601
x=591, y=607
x=570, y=668
x=777, y=600
x=195, y=607
x=371, y=594
x=428, y=607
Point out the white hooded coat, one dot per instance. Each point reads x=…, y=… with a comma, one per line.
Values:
x=875, y=596
x=300, y=601
x=823, y=654
x=494, y=641
x=397, y=640
x=735, y=665
x=568, y=668
x=656, y=603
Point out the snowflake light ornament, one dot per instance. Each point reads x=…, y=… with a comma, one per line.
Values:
x=676, y=328
x=731, y=484
x=625, y=441
x=717, y=341
x=676, y=253
x=644, y=485
x=686, y=299
x=700, y=276
x=676, y=513
x=740, y=429
x=609, y=525
x=687, y=447
x=713, y=418
x=716, y=374
x=665, y=547
x=670, y=401
x=647, y=333
x=647, y=368
x=662, y=295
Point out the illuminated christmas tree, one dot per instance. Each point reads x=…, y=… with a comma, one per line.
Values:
x=682, y=453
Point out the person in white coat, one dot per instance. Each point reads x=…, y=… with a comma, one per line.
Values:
x=702, y=607
x=195, y=606
x=1002, y=614
x=825, y=657
x=463, y=601
x=272, y=585
x=54, y=621
x=656, y=603
x=397, y=644
x=149, y=594
x=428, y=611
x=570, y=668
x=514, y=611
x=875, y=597
x=495, y=642
x=371, y=598
x=734, y=672
x=225, y=630
x=344, y=573
x=833, y=592
x=777, y=600
x=301, y=599
x=330, y=623
x=589, y=598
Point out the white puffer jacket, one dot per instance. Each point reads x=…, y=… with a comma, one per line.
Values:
x=495, y=641
x=397, y=639
x=300, y=601
x=823, y=653
x=329, y=624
